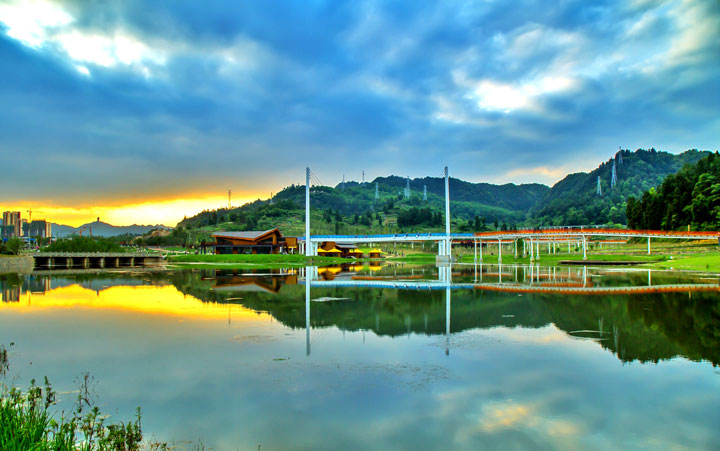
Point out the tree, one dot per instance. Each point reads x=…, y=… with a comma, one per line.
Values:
x=12, y=246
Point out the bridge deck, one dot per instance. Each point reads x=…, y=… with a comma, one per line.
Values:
x=558, y=233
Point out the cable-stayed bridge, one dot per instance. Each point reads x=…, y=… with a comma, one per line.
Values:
x=529, y=238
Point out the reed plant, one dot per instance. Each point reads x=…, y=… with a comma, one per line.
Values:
x=28, y=422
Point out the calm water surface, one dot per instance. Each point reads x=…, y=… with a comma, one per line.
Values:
x=383, y=357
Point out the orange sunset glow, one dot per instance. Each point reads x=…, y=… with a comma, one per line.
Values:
x=150, y=300
x=157, y=211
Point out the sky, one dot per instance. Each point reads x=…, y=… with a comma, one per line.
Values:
x=146, y=112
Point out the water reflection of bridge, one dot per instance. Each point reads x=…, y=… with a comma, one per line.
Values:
x=518, y=279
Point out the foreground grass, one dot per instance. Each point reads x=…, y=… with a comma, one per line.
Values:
x=27, y=422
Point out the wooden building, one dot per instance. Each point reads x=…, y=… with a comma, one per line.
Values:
x=344, y=250
x=375, y=253
x=253, y=242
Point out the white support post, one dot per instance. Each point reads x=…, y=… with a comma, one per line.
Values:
x=516, y=254
x=532, y=250
x=537, y=250
x=648, y=245
x=475, y=241
x=447, y=211
x=481, y=250
x=499, y=251
x=308, y=245
x=584, y=248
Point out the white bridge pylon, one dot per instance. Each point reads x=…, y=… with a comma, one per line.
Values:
x=310, y=245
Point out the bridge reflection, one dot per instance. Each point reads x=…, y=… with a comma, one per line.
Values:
x=498, y=278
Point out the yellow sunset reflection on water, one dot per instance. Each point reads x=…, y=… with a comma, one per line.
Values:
x=149, y=300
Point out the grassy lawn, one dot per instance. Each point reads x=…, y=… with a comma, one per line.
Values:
x=709, y=261
x=254, y=261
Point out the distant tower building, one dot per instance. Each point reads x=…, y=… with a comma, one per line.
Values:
x=407, y=189
x=377, y=193
x=613, y=179
x=41, y=228
x=424, y=192
x=12, y=224
x=599, y=188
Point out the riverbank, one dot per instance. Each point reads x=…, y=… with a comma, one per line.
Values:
x=240, y=261
x=705, y=261
x=20, y=264
x=699, y=261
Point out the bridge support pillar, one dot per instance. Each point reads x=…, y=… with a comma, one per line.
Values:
x=532, y=251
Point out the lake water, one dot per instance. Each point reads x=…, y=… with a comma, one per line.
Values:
x=395, y=357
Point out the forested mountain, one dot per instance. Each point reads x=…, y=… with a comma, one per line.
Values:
x=351, y=207
x=574, y=199
x=689, y=197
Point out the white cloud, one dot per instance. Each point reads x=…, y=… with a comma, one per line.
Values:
x=41, y=24
x=492, y=95
x=31, y=22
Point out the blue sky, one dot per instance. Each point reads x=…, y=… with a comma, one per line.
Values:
x=130, y=101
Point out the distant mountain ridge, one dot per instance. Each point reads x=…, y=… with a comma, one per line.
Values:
x=384, y=206
x=99, y=228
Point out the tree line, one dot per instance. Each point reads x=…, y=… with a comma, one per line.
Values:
x=689, y=197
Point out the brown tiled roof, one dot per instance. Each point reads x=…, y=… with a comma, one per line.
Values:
x=249, y=235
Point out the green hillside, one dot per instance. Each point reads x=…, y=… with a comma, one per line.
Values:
x=574, y=199
x=352, y=207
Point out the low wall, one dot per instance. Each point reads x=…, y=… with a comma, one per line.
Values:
x=9, y=264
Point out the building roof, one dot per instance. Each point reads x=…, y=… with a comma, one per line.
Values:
x=346, y=246
x=248, y=235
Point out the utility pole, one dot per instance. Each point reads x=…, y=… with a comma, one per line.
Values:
x=363, y=177
x=407, y=189
x=342, y=187
x=613, y=178
x=424, y=192
x=229, y=199
x=599, y=188
x=377, y=193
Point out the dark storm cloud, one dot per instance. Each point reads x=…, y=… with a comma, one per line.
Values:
x=159, y=97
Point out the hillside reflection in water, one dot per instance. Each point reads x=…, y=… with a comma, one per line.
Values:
x=500, y=357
